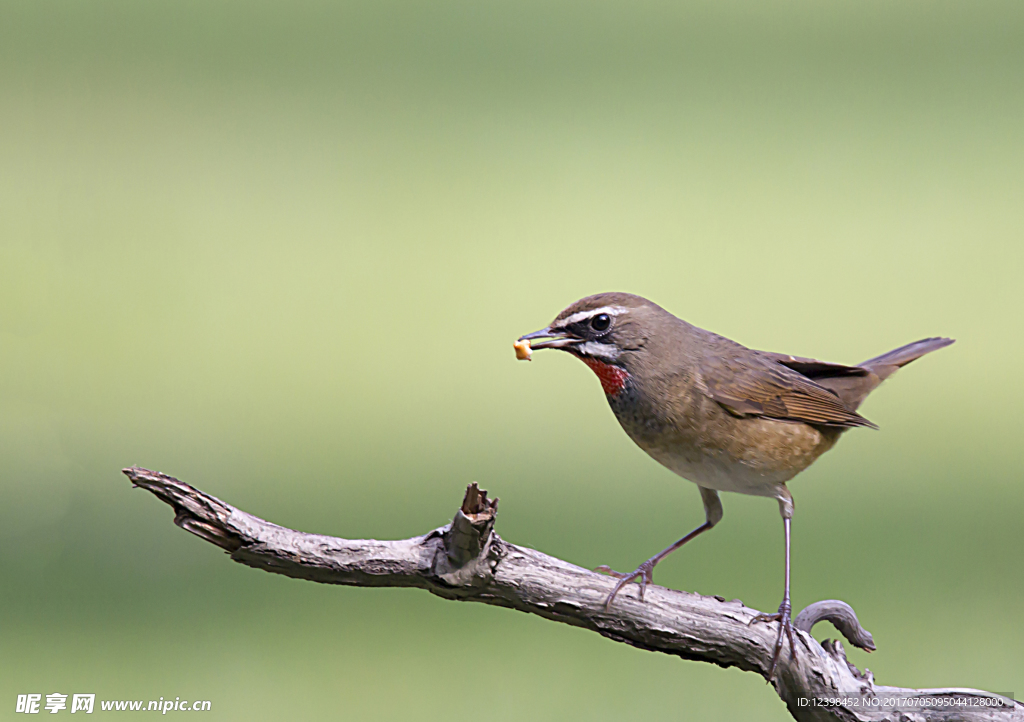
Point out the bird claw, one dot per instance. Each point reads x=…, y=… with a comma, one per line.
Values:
x=783, y=617
x=642, y=575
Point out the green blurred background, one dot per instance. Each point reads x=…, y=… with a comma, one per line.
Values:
x=281, y=250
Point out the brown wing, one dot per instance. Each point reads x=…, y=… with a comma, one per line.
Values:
x=814, y=369
x=747, y=383
x=850, y=383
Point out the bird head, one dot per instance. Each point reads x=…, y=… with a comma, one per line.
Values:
x=605, y=331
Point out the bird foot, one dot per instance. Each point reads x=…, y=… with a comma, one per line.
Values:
x=642, y=575
x=785, y=628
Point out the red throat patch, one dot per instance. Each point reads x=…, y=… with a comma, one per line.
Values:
x=613, y=378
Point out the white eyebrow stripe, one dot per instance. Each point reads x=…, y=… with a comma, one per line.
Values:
x=583, y=315
x=600, y=350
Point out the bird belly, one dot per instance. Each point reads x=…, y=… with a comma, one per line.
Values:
x=724, y=474
x=752, y=456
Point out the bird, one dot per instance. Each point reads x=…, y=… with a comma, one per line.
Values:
x=715, y=412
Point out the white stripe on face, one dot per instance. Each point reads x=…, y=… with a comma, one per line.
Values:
x=584, y=315
x=605, y=351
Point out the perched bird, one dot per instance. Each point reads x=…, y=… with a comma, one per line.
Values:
x=722, y=415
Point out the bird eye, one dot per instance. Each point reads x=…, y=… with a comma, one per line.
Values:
x=600, y=322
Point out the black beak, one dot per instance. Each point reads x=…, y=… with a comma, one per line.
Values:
x=546, y=338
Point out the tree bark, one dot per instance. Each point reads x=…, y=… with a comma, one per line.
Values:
x=466, y=560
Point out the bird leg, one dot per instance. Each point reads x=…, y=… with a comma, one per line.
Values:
x=644, y=574
x=783, y=616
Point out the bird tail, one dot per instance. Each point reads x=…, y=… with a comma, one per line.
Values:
x=886, y=365
x=854, y=387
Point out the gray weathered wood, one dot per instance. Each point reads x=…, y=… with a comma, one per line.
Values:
x=842, y=617
x=466, y=560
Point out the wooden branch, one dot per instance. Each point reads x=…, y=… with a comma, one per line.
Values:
x=466, y=560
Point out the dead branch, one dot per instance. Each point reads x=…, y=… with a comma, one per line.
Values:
x=466, y=560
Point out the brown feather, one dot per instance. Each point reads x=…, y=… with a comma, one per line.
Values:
x=853, y=383
x=752, y=384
